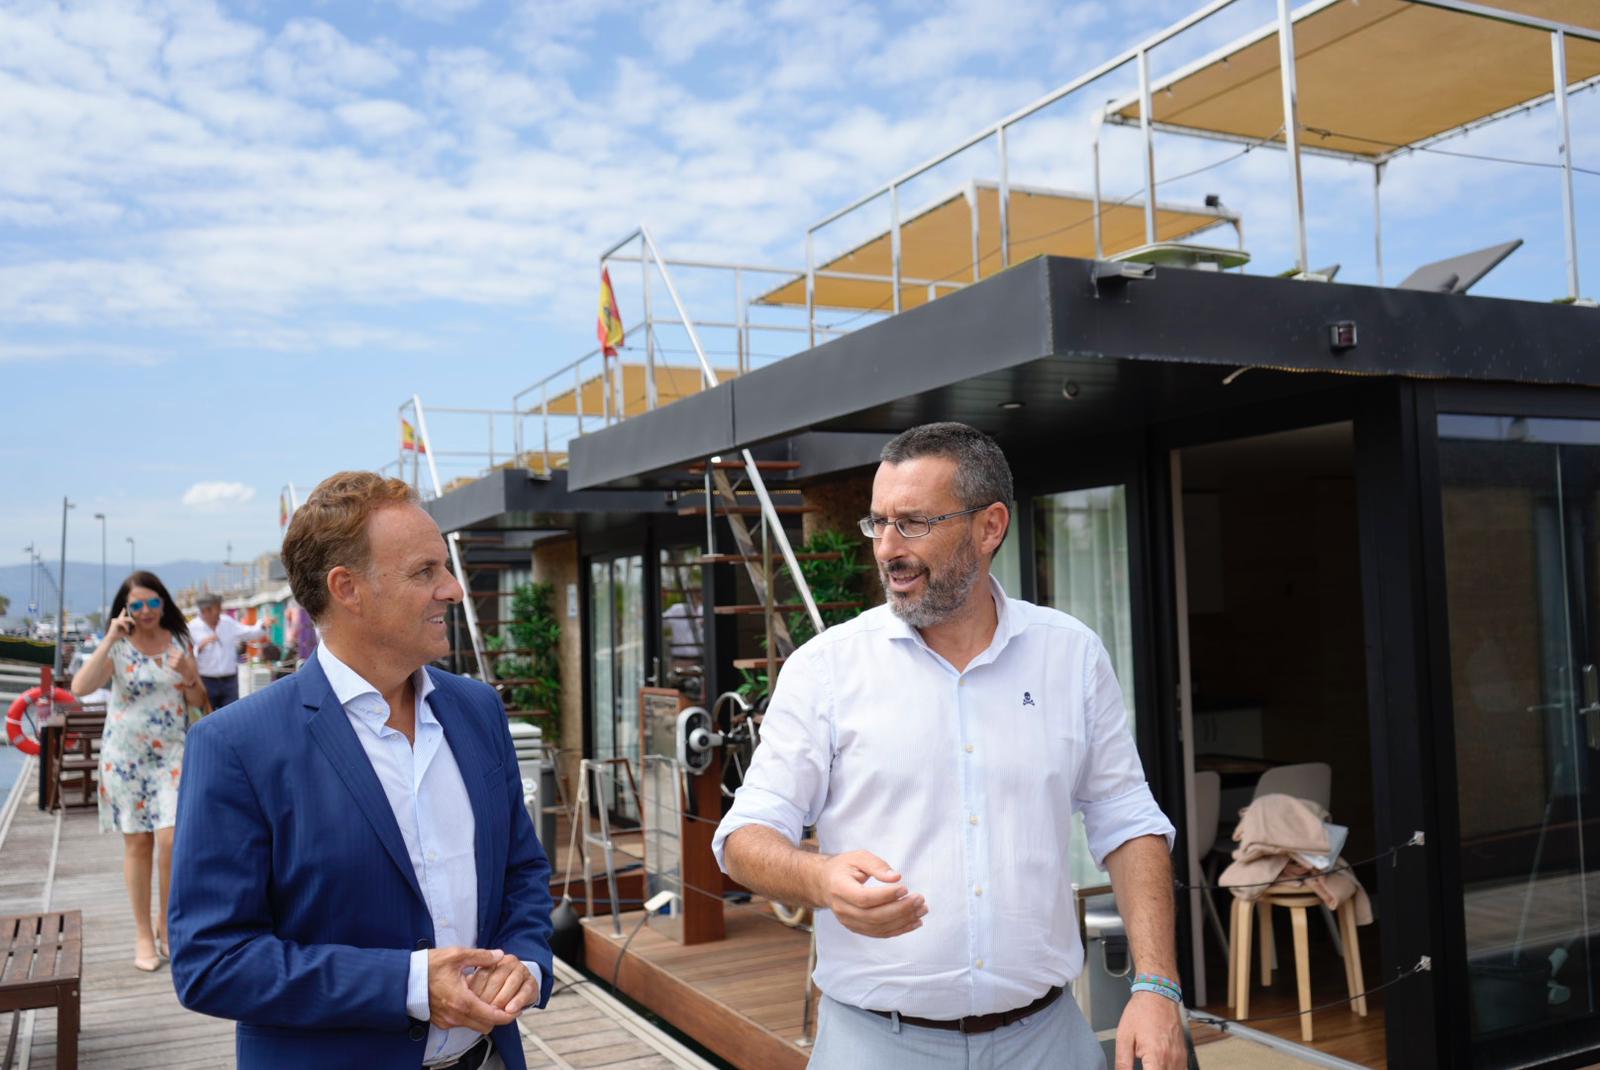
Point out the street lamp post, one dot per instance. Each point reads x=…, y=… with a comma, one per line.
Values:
x=33, y=578
x=132, y=563
x=102, y=518
x=61, y=590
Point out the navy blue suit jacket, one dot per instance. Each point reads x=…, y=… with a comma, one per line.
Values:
x=294, y=906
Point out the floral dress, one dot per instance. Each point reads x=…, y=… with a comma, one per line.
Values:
x=141, y=754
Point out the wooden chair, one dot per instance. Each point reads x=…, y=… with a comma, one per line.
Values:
x=41, y=965
x=75, y=763
x=1297, y=902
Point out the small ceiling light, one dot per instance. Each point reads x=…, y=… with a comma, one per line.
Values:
x=1069, y=390
x=1011, y=406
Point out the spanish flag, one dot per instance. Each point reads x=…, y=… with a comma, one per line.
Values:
x=408, y=438
x=283, y=509
x=609, y=325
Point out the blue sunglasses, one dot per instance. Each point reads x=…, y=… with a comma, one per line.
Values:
x=138, y=605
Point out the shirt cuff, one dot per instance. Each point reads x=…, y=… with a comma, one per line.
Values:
x=538, y=985
x=1110, y=823
x=753, y=807
x=417, y=986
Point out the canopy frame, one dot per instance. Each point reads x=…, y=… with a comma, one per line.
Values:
x=1291, y=130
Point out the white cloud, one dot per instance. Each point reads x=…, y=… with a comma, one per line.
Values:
x=312, y=59
x=437, y=10
x=217, y=496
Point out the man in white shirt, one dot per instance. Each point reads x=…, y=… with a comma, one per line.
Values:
x=940, y=745
x=216, y=648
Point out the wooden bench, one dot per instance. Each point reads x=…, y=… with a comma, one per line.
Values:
x=41, y=964
x=75, y=763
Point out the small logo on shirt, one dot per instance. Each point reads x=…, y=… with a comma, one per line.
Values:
x=1027, y=698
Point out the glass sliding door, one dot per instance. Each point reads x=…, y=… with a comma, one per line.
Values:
x=616, y=667
x=1521, y=508
x=1081, y=566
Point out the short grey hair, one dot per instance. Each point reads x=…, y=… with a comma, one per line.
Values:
x=206, y=601
x=983, y=476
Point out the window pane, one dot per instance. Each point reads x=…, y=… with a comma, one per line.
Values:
x=1521, y=505
x=1081, y=567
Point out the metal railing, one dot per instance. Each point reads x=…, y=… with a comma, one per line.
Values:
x=769, y=513
x=424, y=448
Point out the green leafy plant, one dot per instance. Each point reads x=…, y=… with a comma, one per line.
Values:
x=831, y=580
x=531, y=641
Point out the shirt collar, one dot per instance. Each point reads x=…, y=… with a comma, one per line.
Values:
x=1008, y=624
x=359, y=697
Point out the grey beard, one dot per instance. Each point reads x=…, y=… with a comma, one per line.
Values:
x=947, y=590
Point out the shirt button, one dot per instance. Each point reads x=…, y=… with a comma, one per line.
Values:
x=433, y=856
x=969, y=748
x=977, y=889
x=973, y=820
x=979, y=964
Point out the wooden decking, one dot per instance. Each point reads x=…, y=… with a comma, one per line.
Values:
x=740, y=997
x=132, y=1020
x=1338, y=1031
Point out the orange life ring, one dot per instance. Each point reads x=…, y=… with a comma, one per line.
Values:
x=14, y=730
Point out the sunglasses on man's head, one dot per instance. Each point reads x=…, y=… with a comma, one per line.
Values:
x=138, y=605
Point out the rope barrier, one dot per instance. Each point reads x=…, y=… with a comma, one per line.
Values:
x=1423, y=965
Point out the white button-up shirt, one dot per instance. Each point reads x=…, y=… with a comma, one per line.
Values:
x=424, y=787
x=965, y=783
x=222, y=657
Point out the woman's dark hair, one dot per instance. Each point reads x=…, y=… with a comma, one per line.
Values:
x=171, y=616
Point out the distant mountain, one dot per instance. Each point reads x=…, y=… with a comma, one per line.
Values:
x=83, y=584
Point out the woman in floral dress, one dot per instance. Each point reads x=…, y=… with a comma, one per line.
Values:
x=147, y=660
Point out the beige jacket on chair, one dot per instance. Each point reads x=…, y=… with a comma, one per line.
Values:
x=1280, y=839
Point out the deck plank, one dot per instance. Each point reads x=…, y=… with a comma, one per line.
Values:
x=133, y=1021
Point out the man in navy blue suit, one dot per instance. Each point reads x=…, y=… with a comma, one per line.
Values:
x=355, y=879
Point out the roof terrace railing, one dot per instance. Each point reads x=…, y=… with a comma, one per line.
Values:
x=1291, y=131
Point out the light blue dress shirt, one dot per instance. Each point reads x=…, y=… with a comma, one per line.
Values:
x=424, y=787
x=965, y=782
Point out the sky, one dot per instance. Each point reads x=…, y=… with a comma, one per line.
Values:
x=235, y=238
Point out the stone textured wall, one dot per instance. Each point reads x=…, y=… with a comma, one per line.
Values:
x=555, y=561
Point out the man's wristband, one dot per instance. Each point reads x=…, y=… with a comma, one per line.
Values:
x=1161, y=986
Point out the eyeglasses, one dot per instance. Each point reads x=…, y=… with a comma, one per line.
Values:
x=140, y=604
x=909, y=527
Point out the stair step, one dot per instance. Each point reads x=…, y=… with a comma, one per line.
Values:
x=483, y=540
x=739, y=559
x=756, y=663
x=747, y=510
x=795, y=607
x=739, y=466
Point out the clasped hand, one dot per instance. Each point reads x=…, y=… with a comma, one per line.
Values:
x=493, y=995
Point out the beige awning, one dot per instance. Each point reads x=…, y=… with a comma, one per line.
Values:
x=936, y=244
x=673, y=382
x=1374, y=75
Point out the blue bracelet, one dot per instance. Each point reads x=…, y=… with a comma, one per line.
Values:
x=1161, y=990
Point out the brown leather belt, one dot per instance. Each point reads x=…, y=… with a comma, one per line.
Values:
x=980, y=1023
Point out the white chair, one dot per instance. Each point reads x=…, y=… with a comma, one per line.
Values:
x=1203, y=831
x=1308, y=780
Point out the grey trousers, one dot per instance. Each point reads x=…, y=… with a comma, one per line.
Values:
x=1057, y=1038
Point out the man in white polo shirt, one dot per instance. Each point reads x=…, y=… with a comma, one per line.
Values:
x=940, y=745
x=216, y=648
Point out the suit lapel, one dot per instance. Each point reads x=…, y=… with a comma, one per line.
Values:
x=473, y=764
x=330, y=727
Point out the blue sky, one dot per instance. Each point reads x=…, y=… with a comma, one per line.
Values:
x=234, y=237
